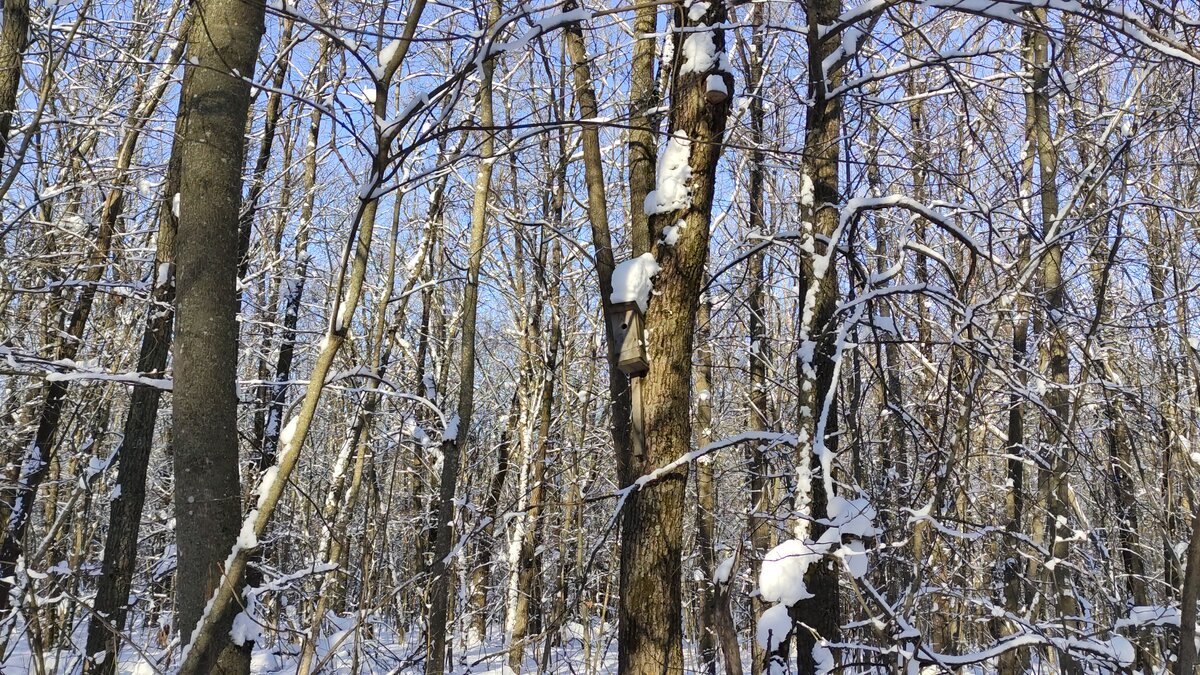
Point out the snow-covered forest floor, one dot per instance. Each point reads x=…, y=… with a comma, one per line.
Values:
x=350, y=652
x=352, y=649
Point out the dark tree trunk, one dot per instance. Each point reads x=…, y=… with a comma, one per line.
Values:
x=760, y=533
x=14, y=38
x=133, y=456
x=818, y=618
x=215, y=107
x=597, y=207
x=650, y=631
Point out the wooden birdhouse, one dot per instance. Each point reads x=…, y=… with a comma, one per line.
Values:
x=628, y=333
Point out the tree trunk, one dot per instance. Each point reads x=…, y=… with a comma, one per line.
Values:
x=706, y=500
x=528, y=573
x=133, y=456
x=1186, y=664
x=650, y=631
x=643, y=123
x=817, y=618
x=14, y=38
x=597, y=209
x=294, y=290
x=528, y=570
x=456, y=436
x=1016, y=661
x=759, y=489
x=1053, y=484
x=215, y=108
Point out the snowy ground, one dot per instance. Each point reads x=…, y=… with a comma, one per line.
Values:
x=575, y=657
x=348, y=651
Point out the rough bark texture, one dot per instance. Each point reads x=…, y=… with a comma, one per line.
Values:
x=133, y=457
x=1191, y=593
x=215, y=107
x=650, y=634
x=643, y=123
x=818, y=618
x=14, y=38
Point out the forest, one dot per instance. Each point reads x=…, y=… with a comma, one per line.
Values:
x=648, y=337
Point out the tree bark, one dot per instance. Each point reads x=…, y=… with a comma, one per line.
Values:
x=650, y=631
x=1186, y=663
x=597, y=209
x=817, y=618
x=14, y=38
x=528, y=573
x=133, y=456
x=456, y=438
x=759, y=484
x=1053, y=485
x=643, y=124
x=215, y=107
x=706, y=501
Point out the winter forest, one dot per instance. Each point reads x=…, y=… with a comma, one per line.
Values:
x=599, y=336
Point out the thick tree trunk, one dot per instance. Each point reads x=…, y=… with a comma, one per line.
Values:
x=1186, y=663
x=643, y=123
x=215, y=107
x=650, y=631
x=817, y=618
x=14, y=38
x=350, y=281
